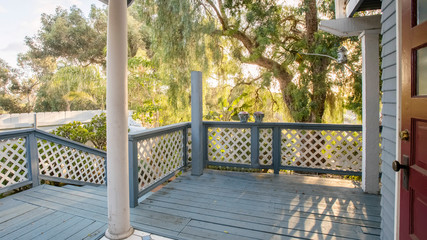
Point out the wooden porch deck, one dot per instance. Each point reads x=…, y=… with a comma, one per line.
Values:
x=216, y=205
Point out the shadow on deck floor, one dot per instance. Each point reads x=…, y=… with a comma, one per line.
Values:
x=216, y=205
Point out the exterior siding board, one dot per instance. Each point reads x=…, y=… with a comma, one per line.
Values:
x=388, y=144
x=389, y=84
x=389, y=121
x=386, y=3
x=389, y=97
x=389, y=60
x=389, y=48
x=389, y=72
x=389, y=108
x=389, y=34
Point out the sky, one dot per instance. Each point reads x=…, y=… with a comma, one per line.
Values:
x=20, y=18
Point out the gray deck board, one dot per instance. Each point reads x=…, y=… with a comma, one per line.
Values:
x=216, y=205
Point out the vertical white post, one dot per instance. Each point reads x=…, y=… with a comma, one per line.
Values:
x=117, y=125
x=370, y=106
x=340, y=9
x=197, y=124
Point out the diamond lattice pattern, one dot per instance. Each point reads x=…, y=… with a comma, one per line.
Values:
x=61, y=161
x=230, y=145
x=327, y=149
x=159, y=156
x=189, y=143
x=13, y=161
x=265, y=146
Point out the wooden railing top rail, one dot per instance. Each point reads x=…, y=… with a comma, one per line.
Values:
x=15, y=133
x=157, y=131
x=308, y=126
x=64, y=141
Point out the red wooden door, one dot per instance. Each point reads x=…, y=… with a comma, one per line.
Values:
x=413, y=193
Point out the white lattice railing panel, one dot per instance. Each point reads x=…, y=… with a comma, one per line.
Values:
x=65, y=162
x=158, y=157
x=265, y=146
x=326, y=149
x=13, y=161
x=189, y=143
x=229, y=145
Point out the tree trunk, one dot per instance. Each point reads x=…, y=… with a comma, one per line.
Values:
x=318, y=67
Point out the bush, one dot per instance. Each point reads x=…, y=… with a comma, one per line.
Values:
x=95, y=131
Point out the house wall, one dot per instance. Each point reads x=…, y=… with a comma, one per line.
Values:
x=388, y=136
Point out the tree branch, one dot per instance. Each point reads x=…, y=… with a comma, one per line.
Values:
x=219, y=15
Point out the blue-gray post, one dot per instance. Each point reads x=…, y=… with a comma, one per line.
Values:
x=133, y=173
x=276, y=149
x=255, y=147
x=33, y=158
x=197, y=123
x=184, y=146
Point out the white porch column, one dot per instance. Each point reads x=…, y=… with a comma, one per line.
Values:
x=117, y=127
x=370, y=118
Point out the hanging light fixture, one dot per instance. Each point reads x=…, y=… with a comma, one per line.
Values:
x=341, y=59
x=342, y=55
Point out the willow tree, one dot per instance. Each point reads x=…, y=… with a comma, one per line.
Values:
x=265, y=33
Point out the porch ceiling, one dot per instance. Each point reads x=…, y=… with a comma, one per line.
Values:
x=354, y=6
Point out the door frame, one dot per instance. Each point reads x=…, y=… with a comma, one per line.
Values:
x=398, y=115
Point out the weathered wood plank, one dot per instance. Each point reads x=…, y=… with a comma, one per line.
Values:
x=202, y=234
x=216, y=205
x=93, y=230
x=31, y=230
x=17, y=210
x=44, y=202
x=101, y=191
x=78, y=193
x=56, y=231
x=226, y=233
x=280, y=185
x=222, y=216
x=23, y=220
x=71, y=198
x=277, y=196
x=291, y=200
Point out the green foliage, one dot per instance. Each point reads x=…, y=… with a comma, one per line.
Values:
x=95, y=131
x=98, y=131
x=15, y=94
x=72, y=88
x=75, y=131
x=264, y=33
x=68, y=36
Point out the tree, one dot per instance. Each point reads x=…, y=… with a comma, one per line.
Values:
x=70, y=37
x=16, y=95
x=263, y=33
x=72, y=88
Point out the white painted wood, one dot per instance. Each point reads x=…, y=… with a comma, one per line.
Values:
x=14, y=169
x=158, y=157
x=348, y=27
x=57, y=160
x=326, y=149
x=340, y=9
x=370, y=115
x=265, y=146
x=117, y=133
x=230, y=145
